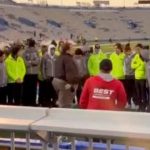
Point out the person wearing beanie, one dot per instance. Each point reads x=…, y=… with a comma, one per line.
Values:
x=103, y=92
x=48, y=73
x=3, y=79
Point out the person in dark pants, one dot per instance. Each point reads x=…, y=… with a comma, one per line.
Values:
x=80, y=62
x=32, y=62
x=48, y=73
x=15, y=68
x=129, y=76
x=41, y=82
x=139, y=67
x=3, y=79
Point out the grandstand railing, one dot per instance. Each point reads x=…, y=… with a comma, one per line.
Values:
x=130, y=128
x=14, y=119
x=75, y=129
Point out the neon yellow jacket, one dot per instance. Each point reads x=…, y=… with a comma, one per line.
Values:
x=57, y=51
x=15, y=69
x=118, y=65
x=94, y=62
x=139, y=66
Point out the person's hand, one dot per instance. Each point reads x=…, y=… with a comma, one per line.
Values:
x=18, y=80
x=67, y=86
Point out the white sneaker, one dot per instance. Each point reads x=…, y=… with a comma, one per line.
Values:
x=135, y=107
x=128, y=106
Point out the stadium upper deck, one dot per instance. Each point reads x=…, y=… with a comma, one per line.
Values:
x=21, y=21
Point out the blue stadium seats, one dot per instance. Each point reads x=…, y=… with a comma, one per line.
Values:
x=3, y=24
x=81, y=145
x=132, y=25
x=53, y=23
x=90, y=23
x=26, y=22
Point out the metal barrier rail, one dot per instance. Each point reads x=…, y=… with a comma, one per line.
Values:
x=133, y=127
x=13, y=119
x=54, y=125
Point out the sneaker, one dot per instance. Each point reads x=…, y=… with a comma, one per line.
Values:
x=128, y=106
x=135, y=107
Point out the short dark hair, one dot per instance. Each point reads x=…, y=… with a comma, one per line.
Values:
x=31, y=42
x=66, y=47
x=15, y=49
x=139, y=45
x=119, y=46
x=78, y=51
x=1, y=53
x=106, y=65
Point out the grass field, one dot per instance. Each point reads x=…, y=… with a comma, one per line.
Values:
x=109, y=47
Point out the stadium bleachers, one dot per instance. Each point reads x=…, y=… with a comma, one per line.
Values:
x=3, y=24
x=61, y=22
x=26, y=22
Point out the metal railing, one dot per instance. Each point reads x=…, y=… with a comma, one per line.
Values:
x=74, y=129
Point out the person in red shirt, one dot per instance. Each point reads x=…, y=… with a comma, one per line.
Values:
x=103, y=92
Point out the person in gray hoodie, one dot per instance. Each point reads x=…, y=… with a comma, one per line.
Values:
x=3, y=79
x=48, y=73
x=32, y=62
x=145, y=55
x=129, y=75
x=79, y=59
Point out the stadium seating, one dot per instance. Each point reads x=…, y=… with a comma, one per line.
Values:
x=26, y=22
x=3, y=24
x=54, y=23
x=59, y=23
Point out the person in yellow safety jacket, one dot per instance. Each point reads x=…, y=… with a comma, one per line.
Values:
x=94, y=61
x=15, y=68
x=117, y=59
x=41, y=85
x=139, y=66
x=59, y=48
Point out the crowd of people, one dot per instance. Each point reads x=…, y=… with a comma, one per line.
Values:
x=60, y=74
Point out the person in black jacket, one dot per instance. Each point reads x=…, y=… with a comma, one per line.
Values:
x=67, y=77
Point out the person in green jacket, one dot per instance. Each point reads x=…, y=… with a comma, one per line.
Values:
x=139, y=66
x=15, y=69
x=94, y=60
x=117, y=59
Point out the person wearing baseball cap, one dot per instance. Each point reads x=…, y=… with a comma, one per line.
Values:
x=103, y=91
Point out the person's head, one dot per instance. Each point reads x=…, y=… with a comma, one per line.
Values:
x=54, y=43
x=2, y=56
x=15, y=50
x=138, y=47
x=106, y=66
x=79, y=52
x=127, y=49
x=97, y=48
x=61, y=43
x=118, y=48
x=51, y=50
x=66, y=48
x=44, y=49
x=31, y=43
